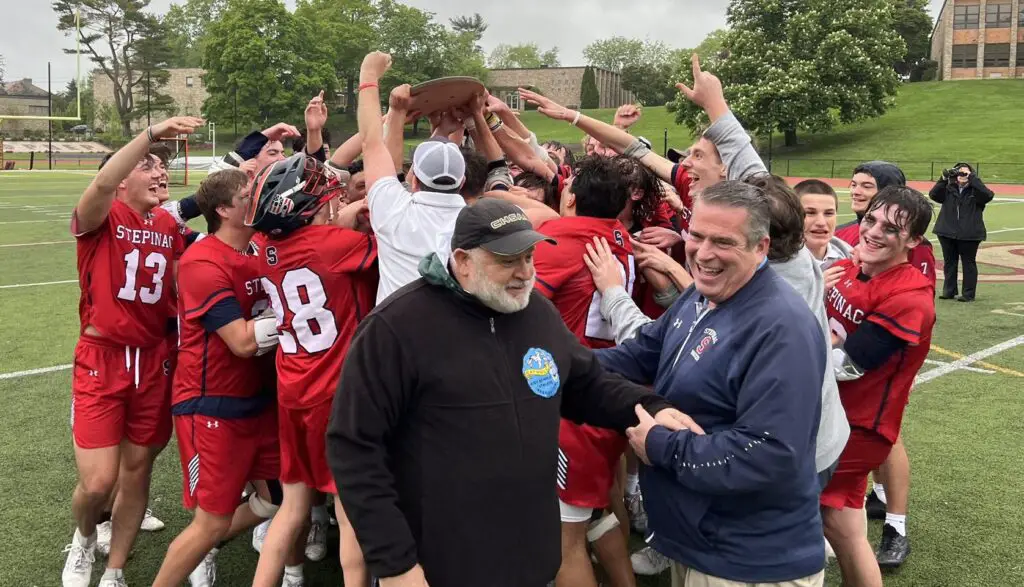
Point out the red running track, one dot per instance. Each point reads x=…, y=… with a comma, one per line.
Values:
x=1001, y=189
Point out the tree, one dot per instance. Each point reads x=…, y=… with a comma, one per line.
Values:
x=186, y=29
x=806, y=64
x=472, y=25
x=126, y=43
x=589, y=96
x=522, y=56
x=651, y=84
x=619, y=53
x=3, y=70
x=912, y=21
x=348, y=27
x=267, y=60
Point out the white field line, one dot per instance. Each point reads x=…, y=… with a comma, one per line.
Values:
x=17, y=285
x=17, y=374
x=968, y=360
x=971, y=369
x=1005, y=230
x=37, y=244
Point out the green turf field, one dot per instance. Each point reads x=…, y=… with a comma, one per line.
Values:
x=962, y=427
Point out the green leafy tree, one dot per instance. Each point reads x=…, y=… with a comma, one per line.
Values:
x=913, y=23
x=127, y=45
x=528, y=55
x=805, y=64
x=651, y=84
x=3, y=66
x=186, y=29
x=589, y=95
x=473, y=25
x=619, y=53
x=348, y=28
x=266, y=60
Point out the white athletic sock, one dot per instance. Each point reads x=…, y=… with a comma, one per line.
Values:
x=879, y=490
x=295, y=571
x=632, y=483
x=85, y=541
x=320, y=514
x=898, y=521
x=112, y=574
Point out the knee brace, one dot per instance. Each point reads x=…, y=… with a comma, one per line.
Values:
x=262, y=507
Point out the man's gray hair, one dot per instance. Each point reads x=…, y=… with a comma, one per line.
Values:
x=738, y=194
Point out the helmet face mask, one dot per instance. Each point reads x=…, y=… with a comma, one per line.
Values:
x=286, y=195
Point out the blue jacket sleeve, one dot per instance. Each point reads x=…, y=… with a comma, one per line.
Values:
x=777, y=413
x=637, y=358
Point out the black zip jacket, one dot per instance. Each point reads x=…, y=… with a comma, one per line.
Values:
x=960, y=217
x=443, y=438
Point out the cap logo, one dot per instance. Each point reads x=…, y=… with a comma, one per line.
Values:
x=281, y=206
x=508, y=219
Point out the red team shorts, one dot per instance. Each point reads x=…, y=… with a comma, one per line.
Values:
x=865, y=451
x=119, y=393
x=303, y=434
x=587, y=459
x=219, y=456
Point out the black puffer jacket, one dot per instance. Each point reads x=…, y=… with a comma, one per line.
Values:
x=961, y=215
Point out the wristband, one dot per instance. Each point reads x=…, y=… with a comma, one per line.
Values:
x=576, y=120
x=368, y=85
x=149, y=133
x=637, y=149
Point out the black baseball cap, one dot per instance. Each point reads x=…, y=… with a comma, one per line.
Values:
x=496, y=226
x=675, y=155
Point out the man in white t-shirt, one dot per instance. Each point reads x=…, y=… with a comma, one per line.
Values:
x=408, y=223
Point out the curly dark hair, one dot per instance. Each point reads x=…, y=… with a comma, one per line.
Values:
x=913, y=209
x=570, y=159
x=600, y=187
x=786, y=229
x=643, y=181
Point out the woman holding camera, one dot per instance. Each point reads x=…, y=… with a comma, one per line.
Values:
x=960, y=226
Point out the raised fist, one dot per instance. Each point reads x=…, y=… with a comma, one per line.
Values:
x=375, y=65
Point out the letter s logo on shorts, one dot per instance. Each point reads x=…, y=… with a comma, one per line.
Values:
x=541, y=372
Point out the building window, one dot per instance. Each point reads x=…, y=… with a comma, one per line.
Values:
x=966, y=17
x=513, y=101
x=1020, y=17
x=188, y=81
x=997, y=55
x=997, y=16
x=965, y=56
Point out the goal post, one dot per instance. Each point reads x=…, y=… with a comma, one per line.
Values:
x=177, y=161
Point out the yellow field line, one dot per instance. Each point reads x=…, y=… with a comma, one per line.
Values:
x=954, y=355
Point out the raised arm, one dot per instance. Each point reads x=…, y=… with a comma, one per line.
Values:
x=316, y=118
x=348, y=151
x=94, y=205
x=377, y=161
x=398, y=110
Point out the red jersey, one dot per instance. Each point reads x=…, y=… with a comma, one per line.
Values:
x=210, y=272
x=316, y=278
x=563, y=277
x=900, y=301
x=681, y=183
x=922, y=256
x=126, y=274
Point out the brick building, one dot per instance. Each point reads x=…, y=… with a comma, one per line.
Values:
x=23, y=98
x=561, y=84
x=185, y=87
x=975, y=39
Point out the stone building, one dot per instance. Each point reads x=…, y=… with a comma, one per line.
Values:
x=975, y=39
x=185, y=87
x=561, y=84
x=22, y=98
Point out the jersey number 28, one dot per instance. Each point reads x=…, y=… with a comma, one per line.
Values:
x=312, y=323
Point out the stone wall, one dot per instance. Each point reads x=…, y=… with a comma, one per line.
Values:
x=561, y=84
x=22, y=106
x=185, y=87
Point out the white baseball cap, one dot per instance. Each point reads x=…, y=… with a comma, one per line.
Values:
x=438, y=164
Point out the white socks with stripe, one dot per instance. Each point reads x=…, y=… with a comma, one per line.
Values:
x=897, y=521
x=879, y=490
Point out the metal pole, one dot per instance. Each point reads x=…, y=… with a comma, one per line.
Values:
x=235, y=115
x=665, y=151
x=49, y=112
x=833, y=174
x=213, y=138
x=770, y=150
x=148, y=121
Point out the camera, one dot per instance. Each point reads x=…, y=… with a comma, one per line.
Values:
x=954, y=172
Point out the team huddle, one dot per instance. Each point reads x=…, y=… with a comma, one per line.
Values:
x=706, y=359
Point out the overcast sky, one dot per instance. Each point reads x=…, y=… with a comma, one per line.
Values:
x=30, y=37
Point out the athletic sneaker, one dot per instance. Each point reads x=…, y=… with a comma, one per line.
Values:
x=649, y=562
x=893, y=549
x=875, y=507
x=151, y=523
x=205, y=574
x=637, y=513
x=103, y=537
x=316, y=541
x=259, y=534
x=78, y=565
x=117, y=581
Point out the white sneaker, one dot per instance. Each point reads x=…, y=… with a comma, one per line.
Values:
x=78, y=565
x=103, y=537
x=637, y=513
x=316, y=542
x=115, y=582
x=205, y=574
x=259, y=534
x=151, y=523
x=293, y=580
x=649, y=562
